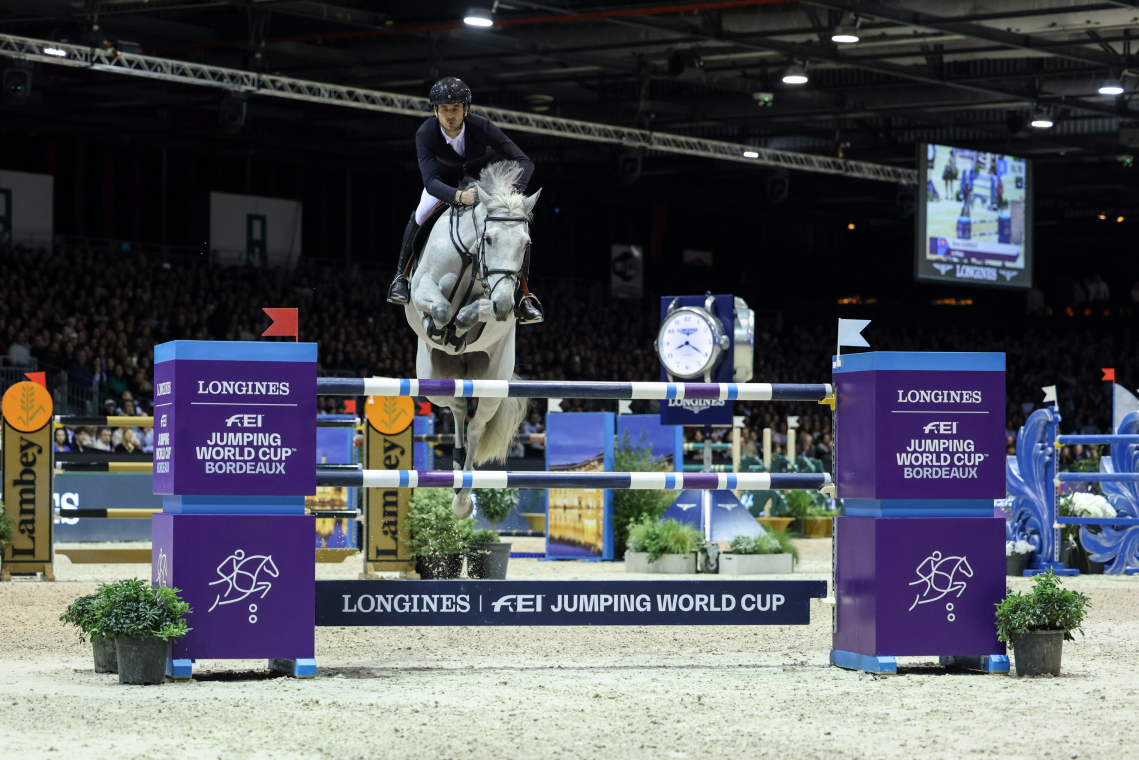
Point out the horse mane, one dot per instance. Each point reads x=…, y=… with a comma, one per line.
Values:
x=497, y=185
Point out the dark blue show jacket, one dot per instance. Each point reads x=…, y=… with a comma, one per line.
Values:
x=443, y=169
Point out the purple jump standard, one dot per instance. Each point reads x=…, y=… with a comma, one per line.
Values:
x=919, y=558
x=234, y=457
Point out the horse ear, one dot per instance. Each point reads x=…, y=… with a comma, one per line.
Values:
x=481, y=195
x=530, y=202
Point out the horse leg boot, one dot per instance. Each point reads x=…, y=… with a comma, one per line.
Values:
x=400, y=290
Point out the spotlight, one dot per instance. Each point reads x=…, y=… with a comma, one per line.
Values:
x=1041, y=119
x=848, y=37
x=795, y=74
x=750, y=154
x=17, y=85
x=1119, y=219
x=55, y=51
x=1102, y=217
x=479, y=16
x=1111, y=87
x=850, y=226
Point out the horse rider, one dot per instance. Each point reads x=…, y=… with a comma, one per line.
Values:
x=451, y=145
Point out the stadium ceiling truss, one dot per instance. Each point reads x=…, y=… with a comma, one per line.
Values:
x=235, y=80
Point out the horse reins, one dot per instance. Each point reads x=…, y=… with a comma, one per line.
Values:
x=476, y=262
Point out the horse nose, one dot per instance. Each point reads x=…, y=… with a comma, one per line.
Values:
x=501, y=311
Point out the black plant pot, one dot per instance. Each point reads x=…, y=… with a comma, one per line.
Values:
x=443, y=567
x=1065, y=553
x=488, y=561
x=142, y=660
x=1016, y=564
x=106, y=656
x=1037, y=653
x=1082, y=561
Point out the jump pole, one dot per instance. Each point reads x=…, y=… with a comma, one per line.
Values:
x=658, y=481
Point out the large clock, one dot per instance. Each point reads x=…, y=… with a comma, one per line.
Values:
x=691, y=341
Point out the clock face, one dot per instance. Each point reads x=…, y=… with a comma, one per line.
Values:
x=687, y=345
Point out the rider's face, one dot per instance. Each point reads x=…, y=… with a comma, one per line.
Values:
x=451, y=115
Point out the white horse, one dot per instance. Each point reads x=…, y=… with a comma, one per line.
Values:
x=462, y=309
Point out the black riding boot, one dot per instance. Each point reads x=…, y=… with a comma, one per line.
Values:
x=400, y=290
x=529, y=310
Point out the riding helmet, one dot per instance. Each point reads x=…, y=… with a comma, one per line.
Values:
x=450, y=90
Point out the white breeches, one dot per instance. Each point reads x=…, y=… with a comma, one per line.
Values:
x=427, y=202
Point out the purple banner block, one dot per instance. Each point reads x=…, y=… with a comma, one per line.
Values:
x=916, y=586
x=920, y=433
x=250, y=581
x=227, y=426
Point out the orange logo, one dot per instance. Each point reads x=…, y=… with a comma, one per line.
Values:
x=390, y=414
x=27, y=407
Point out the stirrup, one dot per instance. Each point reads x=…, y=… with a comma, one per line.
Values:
x=399, y=292
x=529, y=310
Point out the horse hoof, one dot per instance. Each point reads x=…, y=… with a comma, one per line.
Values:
x=462, y=507
x=441, y=314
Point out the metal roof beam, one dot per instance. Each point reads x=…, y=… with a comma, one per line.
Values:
x=184, y=72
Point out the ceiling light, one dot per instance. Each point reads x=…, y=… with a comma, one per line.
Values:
x=1102, y=216
x=795, y=74
x=1041, y=119
x=479, y=16
x=1119, y=218
x=848, y=37
x=56, y=52
x=1111, y=87
x=750, y=154
x=850, y=226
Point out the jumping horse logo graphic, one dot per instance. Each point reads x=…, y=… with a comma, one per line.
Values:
x=939, y=574
x=242, y=575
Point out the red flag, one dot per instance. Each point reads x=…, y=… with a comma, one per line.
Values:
x=423, y=408
x=39, y=378
x=350, y=406
x=285, y=322
x=1109, y=374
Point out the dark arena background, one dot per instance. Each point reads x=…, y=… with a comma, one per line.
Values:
x=170, y=168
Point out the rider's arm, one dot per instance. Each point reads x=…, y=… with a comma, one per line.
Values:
x=429, y=168
x=507, y=150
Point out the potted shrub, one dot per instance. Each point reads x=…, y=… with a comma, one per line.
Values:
x=483, y=562
x=81, y=613
x=1017, y=554
x=143, y=620
x=664, y=546
x=633, y=505
x=495, y=505
x=1036, y=625
x=771, y=552
x=437, y=539
x=804, y=508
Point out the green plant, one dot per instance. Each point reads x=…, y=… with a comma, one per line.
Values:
x=7, y=528
x=82, y=614
x=482, y=536
x=1046, y=608
x=786, y=544
x=432, y=528
x=131, y=607
x=801, y=504
x=771, y=542
x=495, y=504
x=631, y=506
x=671, y=537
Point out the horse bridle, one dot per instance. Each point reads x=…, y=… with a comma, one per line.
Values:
x=476, y=262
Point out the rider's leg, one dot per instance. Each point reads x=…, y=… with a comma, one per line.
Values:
x=528, y=309
x=400, y=291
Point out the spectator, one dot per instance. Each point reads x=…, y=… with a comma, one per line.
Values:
x=103, y=442
x=80, y=374
x=116, y=384
x=533, y=426
x=129, y=443
x=61, y=442
x=748, y=446
x=19, y=354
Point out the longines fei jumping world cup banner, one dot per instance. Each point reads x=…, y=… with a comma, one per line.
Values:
x=27, y=411
x=402, y=603
x=246, y=418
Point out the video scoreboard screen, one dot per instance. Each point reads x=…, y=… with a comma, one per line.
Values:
x=974, y=223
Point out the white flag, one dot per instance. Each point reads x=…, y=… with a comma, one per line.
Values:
x=1049, y=393
x=850, y=332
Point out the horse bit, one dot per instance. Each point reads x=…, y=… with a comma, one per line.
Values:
x=476, y=262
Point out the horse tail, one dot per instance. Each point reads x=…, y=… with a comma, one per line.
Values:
x=500, y=429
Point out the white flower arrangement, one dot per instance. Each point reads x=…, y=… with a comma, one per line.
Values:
x=1091, y=505
x=1018, y=547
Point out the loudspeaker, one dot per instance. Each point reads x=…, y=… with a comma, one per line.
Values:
x=231, y=113
x=629, y=167
x=778, y=187
x=17, y=85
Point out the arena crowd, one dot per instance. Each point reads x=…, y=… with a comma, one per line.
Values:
x=94, y=316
